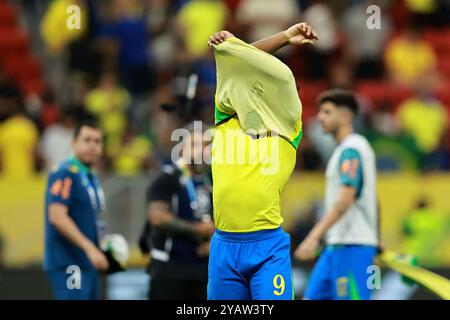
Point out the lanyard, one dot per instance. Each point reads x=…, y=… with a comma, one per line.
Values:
x=187, y=180
x=192, y=192
x=96, y=194
x=97, y=199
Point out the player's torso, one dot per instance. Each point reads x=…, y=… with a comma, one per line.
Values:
x=249, y=175
x=359, y=225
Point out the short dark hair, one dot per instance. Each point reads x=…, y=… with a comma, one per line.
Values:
x=340, y=98
x=86, y=123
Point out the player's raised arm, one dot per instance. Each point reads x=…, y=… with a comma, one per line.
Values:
x=298, y=34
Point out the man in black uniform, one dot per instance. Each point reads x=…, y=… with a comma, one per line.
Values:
x=180, y=220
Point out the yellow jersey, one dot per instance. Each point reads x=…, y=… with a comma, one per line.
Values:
x=258, y=129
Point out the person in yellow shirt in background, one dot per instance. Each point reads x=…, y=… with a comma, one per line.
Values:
x=54, y=25
x=129, y=153
x=109, y=103
x=424, y=118
x=198, y=19
x=409, y=57
x=18, y=136
x=425, y=230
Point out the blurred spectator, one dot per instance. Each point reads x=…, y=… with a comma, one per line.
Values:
x=409, y=58
x=18, y=136
x=366, y=44
x=129, y=30
x=424, y=117
x=424, y=229
x=54, y=28
x=331, y=44
x=263, y=18
x=164, y=44
x=85, y=54
x=323, y=20
x=129, y=153
x=56, y=141
x=197, y=20
x=109, y=103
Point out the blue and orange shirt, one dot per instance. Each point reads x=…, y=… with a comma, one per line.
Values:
x=76, y=186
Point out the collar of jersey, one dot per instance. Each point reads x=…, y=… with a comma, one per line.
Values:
x=81, y=167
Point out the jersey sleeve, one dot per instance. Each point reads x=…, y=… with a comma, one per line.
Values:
x=61, y=187
x=350, y=169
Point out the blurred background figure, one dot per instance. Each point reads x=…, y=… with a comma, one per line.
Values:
x=180, y=225
x=366, y=45
x=425, y=119
x=129, y=152
x=74, y=208
x=425, y=230
x=197, y=20
x=18, y=135
x=109, y=102
x=409, y=57
x=55, y=144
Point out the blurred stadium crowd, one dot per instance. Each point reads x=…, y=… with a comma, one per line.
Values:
x=128, y=66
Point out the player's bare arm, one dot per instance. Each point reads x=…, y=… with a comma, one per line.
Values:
x=59, y=217
x=307, y=249
x=160, y=216
x=298, y=34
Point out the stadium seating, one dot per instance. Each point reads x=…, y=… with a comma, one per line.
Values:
x=16, y=57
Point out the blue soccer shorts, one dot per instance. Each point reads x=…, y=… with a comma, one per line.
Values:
x=250, y=266
x=342, y=273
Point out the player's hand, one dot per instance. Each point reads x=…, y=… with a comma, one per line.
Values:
x=301, y=33
x=203, y=249
x=204, y=229
x=307, y=250
x=219, y=37
x=98, y=259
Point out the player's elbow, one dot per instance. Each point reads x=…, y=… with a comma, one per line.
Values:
x=344, y=204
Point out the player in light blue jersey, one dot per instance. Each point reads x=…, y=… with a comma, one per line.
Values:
x=350, y=223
